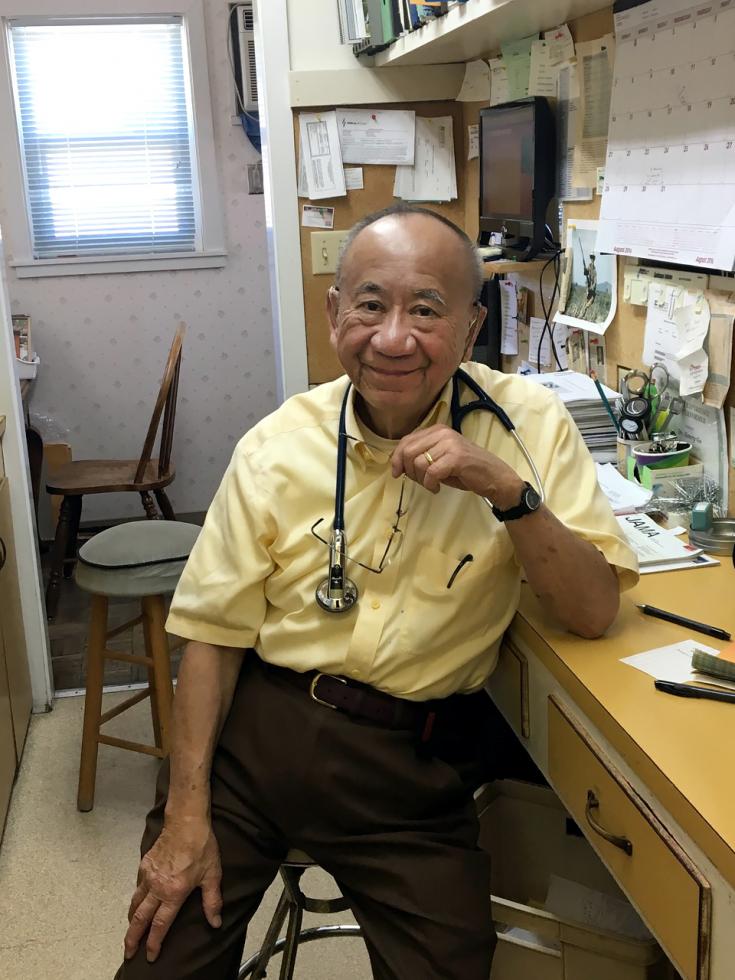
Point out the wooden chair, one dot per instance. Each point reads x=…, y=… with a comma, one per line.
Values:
x=144, y=476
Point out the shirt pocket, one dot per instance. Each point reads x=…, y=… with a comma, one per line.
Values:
x=474, y=603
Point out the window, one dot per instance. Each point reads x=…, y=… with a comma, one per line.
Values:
x=110, y=158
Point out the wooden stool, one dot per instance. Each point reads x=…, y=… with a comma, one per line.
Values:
x=140, y=560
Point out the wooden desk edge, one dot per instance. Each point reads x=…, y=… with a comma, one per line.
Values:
x=675, y=802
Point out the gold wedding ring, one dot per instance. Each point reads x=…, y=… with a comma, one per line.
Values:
x=429, y=457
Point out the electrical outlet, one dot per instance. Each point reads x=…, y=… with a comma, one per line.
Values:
x=325, y=246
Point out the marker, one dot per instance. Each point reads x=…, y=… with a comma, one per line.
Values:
x=691, y=624
x=690, y=691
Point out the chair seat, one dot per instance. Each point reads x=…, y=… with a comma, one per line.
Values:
x=135, y=559
x=84, y=476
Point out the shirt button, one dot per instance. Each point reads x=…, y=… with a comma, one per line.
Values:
x=355, y=673
x=375, y=604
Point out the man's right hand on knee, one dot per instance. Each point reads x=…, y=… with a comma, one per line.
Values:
x=185, y=856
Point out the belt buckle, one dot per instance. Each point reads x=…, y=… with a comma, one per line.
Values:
x=312, y=690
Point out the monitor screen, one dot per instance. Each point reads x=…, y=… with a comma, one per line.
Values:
x=507, y=162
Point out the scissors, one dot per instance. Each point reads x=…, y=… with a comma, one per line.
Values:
x=649, y=387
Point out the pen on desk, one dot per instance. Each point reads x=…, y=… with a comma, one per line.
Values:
x=605, y=402
x=690, y=691
x=691, y=624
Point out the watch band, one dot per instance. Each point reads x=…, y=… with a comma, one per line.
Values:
x=520, y=510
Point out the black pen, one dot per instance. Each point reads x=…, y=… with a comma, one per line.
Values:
x=690, y=691
x=691, y=624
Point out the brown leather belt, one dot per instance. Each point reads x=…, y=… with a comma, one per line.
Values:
x=362, y=701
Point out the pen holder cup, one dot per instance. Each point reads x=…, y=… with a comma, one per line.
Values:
x=662, y=461
x=625, y=451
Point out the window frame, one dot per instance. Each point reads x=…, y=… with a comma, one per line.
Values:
x=211, y=252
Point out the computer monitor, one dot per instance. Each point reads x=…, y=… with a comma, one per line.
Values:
x=517, y=174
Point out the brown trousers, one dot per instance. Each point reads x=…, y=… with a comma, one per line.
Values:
x=397, y=831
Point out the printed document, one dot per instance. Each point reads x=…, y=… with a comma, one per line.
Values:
x=595, y=76
x=674, y=663
x=433, y=176
x=499, y=91
x=517, y=58
x=377, y=135
x=320, y=155
x=567, y=107
x=508, y=318
x=543, y=74
x=476, y=84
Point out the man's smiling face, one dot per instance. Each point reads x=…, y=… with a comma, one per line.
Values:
x=404, y=317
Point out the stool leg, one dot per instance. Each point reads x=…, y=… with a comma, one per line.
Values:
x=153, y=697
x=154, y=617
x=92, y=702
x=288, y=962
x=271, y=938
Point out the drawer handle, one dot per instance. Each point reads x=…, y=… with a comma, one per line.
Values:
x=594, y=804
x=3, y=554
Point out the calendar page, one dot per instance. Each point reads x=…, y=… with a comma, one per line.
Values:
x=670, y=170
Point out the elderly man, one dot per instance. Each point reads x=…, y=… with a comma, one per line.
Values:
x=375, y=791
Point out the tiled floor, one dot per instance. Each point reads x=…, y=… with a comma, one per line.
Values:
x=67, y=877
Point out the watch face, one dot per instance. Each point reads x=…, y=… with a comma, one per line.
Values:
x=531, y=499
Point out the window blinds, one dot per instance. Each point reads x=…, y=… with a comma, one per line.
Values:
x=105, y=125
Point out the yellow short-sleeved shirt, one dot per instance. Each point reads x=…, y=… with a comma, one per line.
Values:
x=252, y=575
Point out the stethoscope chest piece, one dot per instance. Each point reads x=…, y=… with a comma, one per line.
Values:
x=337, y=593
x=337, y=600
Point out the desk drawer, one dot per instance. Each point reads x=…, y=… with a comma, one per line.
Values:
x=648, y=864
x=508, y=686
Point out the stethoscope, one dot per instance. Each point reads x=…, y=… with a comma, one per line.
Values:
x=338, y=593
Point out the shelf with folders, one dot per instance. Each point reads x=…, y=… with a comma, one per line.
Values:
x=478, y=27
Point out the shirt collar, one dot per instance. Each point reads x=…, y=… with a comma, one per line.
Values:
x=372, y=448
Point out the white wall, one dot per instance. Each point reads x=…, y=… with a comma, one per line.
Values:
x=313, y=37
x=103, y=339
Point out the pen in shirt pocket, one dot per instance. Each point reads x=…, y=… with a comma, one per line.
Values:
x=464, y=561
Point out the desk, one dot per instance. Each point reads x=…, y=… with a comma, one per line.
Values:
x=663, y=767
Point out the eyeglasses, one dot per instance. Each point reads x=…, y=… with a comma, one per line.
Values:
x=395, y=540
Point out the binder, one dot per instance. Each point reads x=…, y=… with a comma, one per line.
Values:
x=375, y=22
x=389, y=27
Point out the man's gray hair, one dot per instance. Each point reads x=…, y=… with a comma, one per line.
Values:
x=474, y=262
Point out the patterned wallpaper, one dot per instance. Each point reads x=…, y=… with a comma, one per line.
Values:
x=103, y=339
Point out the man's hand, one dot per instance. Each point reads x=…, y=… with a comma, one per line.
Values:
x=440, y=455
x=183, y=858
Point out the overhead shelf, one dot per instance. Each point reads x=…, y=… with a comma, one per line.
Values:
x=478, y=27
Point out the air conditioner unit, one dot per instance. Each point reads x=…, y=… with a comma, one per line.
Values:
x=246, y=52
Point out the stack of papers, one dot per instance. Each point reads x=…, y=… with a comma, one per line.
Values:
x=625, y=496
x=658, y=549
x=582, y=399
x=433, y=176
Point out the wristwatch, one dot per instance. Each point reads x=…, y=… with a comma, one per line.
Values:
x=530, y=501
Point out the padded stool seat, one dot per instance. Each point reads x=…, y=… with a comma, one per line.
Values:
x=135, y=559
x=144, y=560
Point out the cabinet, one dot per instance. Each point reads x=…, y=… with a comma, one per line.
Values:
x=15, y=681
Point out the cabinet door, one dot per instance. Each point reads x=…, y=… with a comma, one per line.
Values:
x=11, y=623
x=7, y=742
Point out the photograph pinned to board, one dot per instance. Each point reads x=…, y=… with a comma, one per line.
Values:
x=588, y=291
x=313, y=216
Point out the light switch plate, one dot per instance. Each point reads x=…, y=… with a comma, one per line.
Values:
x=325, y=246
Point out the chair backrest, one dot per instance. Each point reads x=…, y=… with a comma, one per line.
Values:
x=166, y=406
